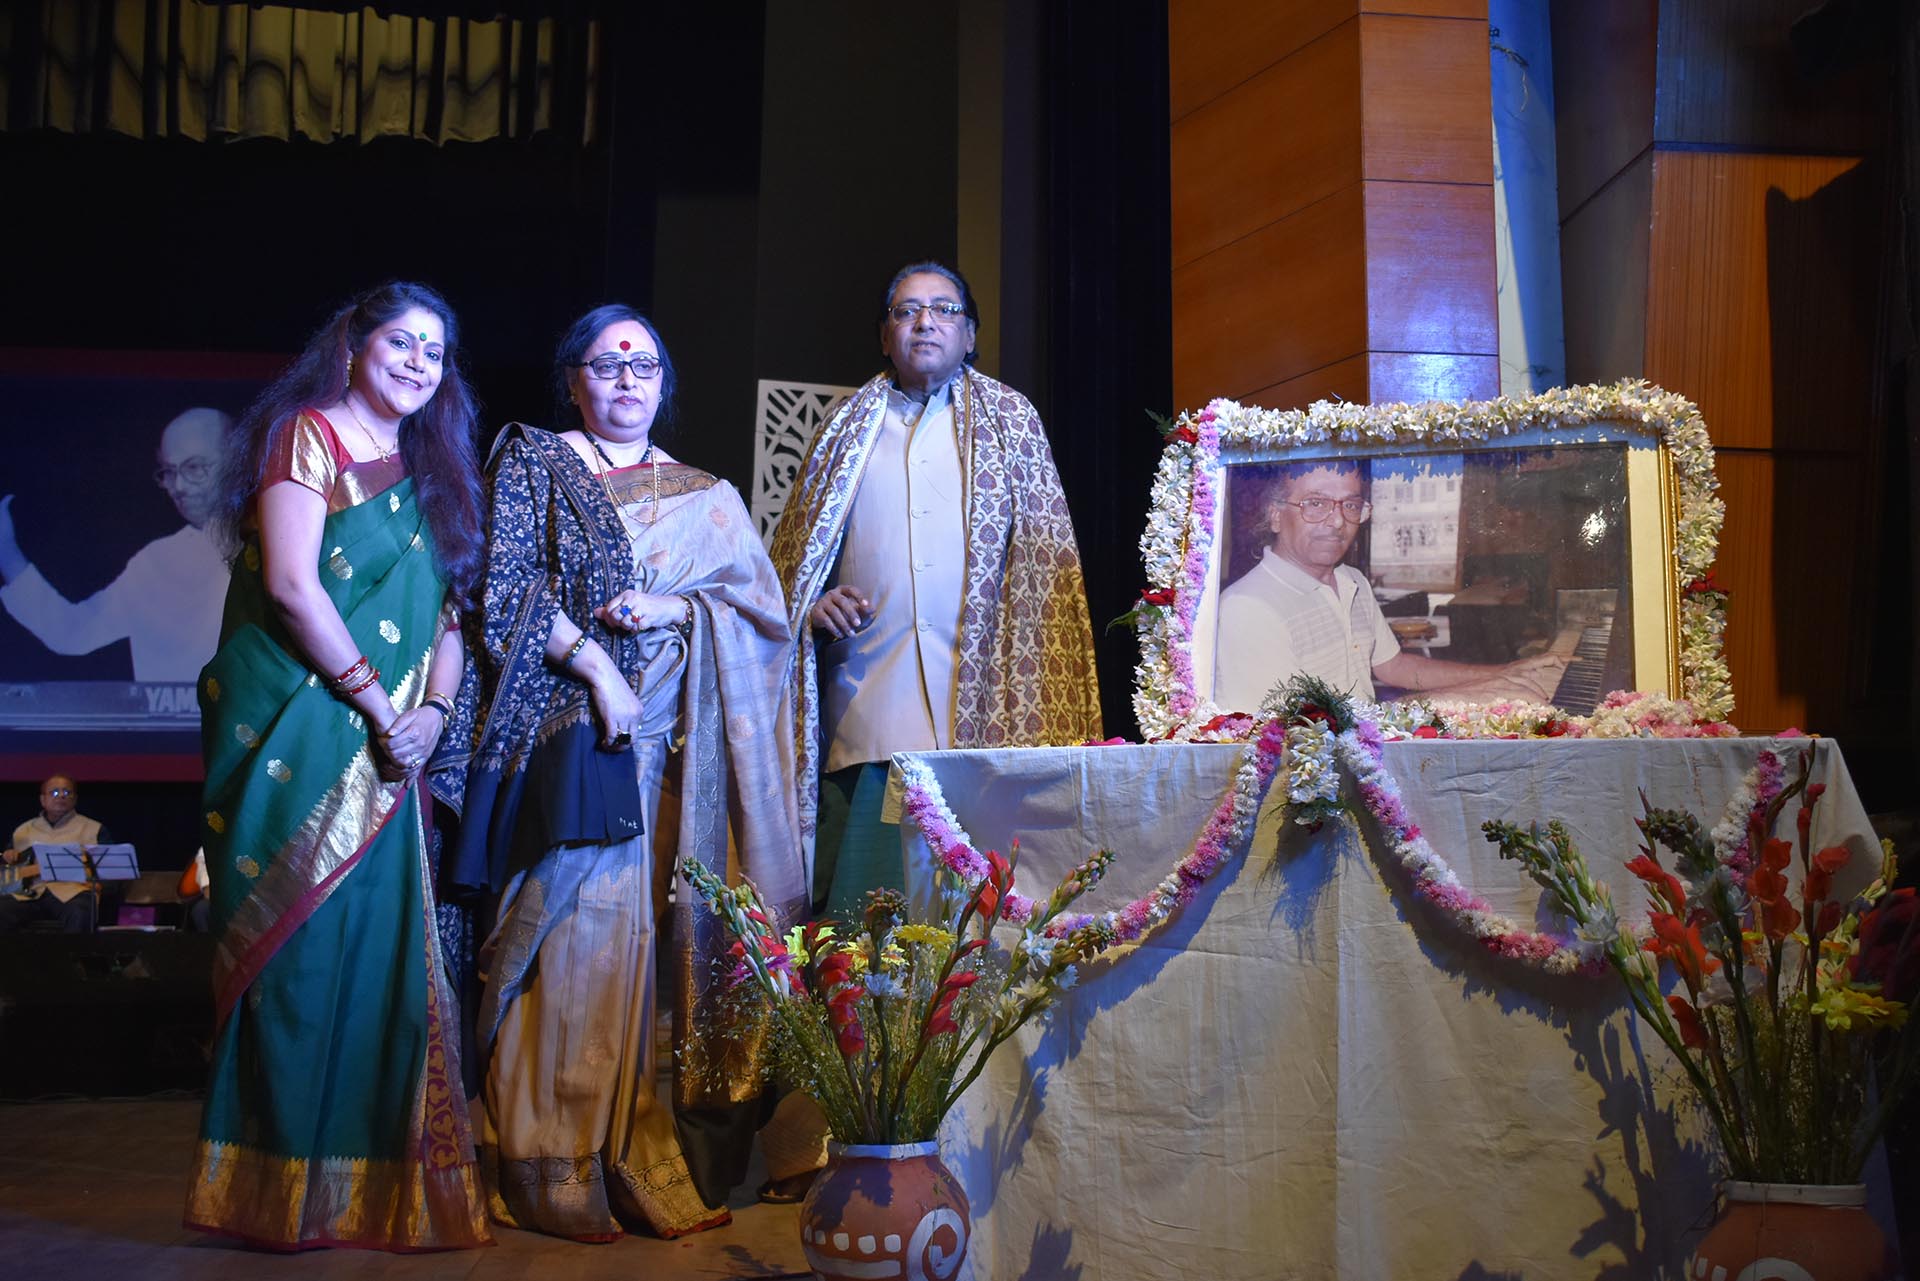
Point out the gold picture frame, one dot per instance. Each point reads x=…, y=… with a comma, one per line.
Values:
x=1636, y=455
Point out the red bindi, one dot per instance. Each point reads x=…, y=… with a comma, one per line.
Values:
x=625, y=345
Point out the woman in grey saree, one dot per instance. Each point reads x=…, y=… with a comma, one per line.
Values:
x=631, y=617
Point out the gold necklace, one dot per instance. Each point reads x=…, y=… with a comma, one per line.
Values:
x=373, y=440
x=653, y=513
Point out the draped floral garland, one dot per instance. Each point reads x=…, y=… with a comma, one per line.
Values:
x=1310, y=736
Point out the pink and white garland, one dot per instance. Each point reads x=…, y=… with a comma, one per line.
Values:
x=1433, y=877
x=1224, y=829
x=1362, y=750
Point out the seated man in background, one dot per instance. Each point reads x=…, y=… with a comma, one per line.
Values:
x=74, y=906
x=1302, y=609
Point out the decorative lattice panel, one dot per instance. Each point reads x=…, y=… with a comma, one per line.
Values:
x=789, y=415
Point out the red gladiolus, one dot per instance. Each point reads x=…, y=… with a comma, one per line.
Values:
x=1662, y=884
x=941, y=1021
x=1890, y=947
x=1681, y=944
x=835, y=968
x=993, y=889
x=1768, y=880
x=843, y=1017
x=755, y=914
x=1768, y=884
x=1693, y=1033
x=1820, y=872
x=1829, y=920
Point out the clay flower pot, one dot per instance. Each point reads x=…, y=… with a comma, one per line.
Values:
x=885, y=1210
x=1816, y=1232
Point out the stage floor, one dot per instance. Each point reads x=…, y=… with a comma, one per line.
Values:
x=95, y=1188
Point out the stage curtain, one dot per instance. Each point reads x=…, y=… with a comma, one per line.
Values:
x=183, y=69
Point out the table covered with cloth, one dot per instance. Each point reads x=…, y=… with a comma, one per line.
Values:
x=1309, y=1072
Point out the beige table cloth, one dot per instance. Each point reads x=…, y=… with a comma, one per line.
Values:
x=1309, y=1073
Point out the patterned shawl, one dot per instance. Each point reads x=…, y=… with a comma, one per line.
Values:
x=520, y=761
x=1024, y=674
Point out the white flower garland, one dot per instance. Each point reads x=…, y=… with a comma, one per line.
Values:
x=1176, y=547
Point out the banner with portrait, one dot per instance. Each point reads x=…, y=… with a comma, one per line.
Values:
x=113, y=583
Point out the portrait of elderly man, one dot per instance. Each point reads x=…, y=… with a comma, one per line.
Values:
x=1303, y=609
x=933, y=582
x=166, y=603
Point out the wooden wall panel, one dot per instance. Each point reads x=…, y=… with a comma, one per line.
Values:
x=1603, y=278
x=1763, y=303
x=1416, y=376
x=1379, y=376
x=1603, y=79
x=1284, y=301
x=1728, y=76
x=1215, y=45
x=1475, y=9
x=1430, y=269
x=1428, y=90
x=1789, y=556
x=1304, y=114
x=1342, y=380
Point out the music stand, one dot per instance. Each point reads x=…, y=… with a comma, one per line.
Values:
x=69, y=863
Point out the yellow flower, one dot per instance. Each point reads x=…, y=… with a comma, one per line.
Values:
x=924, y=935
x=1842, y=1008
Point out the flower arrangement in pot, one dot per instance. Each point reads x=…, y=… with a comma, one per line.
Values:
x=1788, y=1009
x=884, y=1023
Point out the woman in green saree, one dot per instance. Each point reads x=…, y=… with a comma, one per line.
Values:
x=334, y=1113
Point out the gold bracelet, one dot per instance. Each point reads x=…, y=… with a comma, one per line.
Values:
x=573, y=651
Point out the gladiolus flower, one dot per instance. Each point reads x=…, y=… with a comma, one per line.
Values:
x=1768, y=884
x=1693, y=1033
x=843, y=1016
x=1664, y=885
x=1820, y=872
x=993, y=889
x=1681, y=944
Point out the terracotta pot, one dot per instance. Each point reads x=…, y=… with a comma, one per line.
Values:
x=1792, y=1232
x=885, y=1210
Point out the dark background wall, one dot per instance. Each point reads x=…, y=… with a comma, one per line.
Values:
x=757, y=174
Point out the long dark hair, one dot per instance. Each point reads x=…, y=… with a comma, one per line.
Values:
x=437, y=440
x=572, y=350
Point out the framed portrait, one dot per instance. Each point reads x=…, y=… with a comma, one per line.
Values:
x=1543, y=551
x=113, y=582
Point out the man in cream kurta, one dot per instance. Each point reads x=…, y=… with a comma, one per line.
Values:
x=933, y=583
x=72, y=905
x=888, y=686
